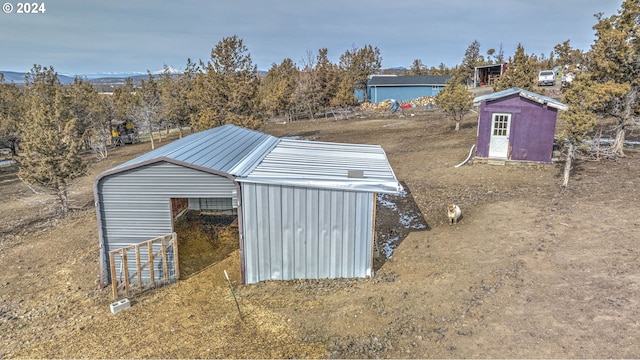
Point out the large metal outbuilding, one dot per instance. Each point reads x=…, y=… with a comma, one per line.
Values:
x=306, y=209
x=404, y=88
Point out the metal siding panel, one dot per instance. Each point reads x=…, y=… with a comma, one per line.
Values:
x=250, y=234
x=263, y=231
x=337, y=217
x=363, y=234
x=348, y=235
x=274, y=215
x=324, y=234
x=403, y=93
x=312, y=250
x=300, y=233
x=300, y=238
x=288, y=211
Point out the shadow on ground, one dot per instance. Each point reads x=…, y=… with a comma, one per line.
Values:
x=396, y=217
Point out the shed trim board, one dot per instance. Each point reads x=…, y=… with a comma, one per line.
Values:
x=133, y=200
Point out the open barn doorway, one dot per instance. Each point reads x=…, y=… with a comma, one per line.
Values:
x=207, y=231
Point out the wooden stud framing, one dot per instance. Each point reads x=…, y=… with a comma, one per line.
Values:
x=126, y=287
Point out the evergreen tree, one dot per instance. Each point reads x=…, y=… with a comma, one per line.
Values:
x=85, y=104
x=279, y=86
x=326, y=76
x=578, y=120
x=226, y=88
x=306, y=93
x=148, y=110
x=88, y=109
x=455, y=100
x=174, y=91
x=357, y=65
x=345, y=94
x=500, y=55
x=614, y=63
x=124, y=103
x=521, y=72
x=51, y=156
x=417, y=68
x=472, y=59
x=11, y=114
x=566, y=55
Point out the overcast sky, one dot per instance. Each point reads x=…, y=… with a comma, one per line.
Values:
x=81, y=37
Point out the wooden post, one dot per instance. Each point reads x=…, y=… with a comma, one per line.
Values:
x=175, y=255
x=138, y=269
x=132, y=283
x=151, y=270
x=126, y=272
x=165, y=268
x=114, y=282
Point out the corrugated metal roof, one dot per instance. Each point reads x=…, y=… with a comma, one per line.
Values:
x=545, y=100
x=425, y=80
x=252, y=156
x=326, y=165
x=228, y=148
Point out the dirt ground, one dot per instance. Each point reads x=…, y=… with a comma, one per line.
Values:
x=531, y=271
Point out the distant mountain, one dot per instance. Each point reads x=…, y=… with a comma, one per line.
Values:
x=116, y=79
x=169, y=69
x=92, y=76
x=18, y=77
x=97, y=78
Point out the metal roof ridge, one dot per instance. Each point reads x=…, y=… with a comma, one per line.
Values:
x=250, y=161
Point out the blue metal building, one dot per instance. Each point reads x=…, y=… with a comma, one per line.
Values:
x=404, y=88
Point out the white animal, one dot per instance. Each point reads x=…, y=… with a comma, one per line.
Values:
x=454, y=213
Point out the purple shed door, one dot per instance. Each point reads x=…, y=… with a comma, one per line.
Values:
x=499, y=142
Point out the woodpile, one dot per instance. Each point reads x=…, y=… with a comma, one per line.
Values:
x=380, y=107
x=424, y=101
x=384, y=106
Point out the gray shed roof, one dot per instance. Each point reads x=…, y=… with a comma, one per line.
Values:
x=426, y=80
x=229, y=149
x=326, y=165
x=545, y=100
x=252, y=156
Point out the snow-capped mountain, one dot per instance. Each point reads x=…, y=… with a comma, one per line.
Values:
x=103, y=77
x=169, y=69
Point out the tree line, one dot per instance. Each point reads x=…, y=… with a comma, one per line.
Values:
x=52, y=124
